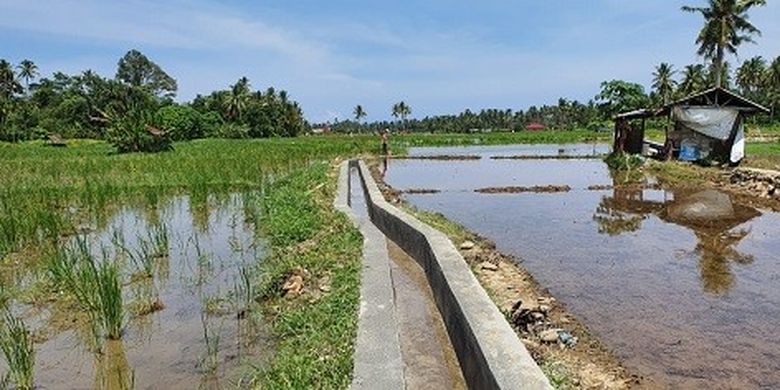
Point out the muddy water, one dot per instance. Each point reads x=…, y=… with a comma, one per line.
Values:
x=199, y=285
x=684, y=301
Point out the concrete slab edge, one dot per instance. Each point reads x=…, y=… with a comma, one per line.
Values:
x=377, y=360
x=490, y=353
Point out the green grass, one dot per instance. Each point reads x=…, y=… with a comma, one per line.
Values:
x=316, y=334
x=18, y=350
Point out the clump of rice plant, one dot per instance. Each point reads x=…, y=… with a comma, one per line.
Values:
x=624, y=161
x=109, y=300
x=244, y=291
x=18, y=350
x=94, y=285
x=149, y=251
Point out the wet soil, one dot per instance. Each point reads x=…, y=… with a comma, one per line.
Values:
x=440, y=157
x=515, y=190
x=563, y=157
x=420, y=191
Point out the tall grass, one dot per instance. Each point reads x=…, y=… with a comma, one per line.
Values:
x=18, y=350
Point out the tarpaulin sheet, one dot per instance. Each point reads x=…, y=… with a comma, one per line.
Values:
x=713, y=122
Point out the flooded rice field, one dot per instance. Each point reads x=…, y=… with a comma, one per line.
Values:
x=684, y=286
x=183, y=270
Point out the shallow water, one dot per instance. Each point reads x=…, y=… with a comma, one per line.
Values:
x=199, y=283
x=487, y=151
x=681, y=302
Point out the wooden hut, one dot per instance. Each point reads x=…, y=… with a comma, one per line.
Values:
x=705, y=126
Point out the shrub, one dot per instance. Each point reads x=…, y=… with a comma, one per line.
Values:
x=181, y=122
x=136, y=131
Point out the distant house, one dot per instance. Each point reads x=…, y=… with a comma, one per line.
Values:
x=709, y=125
x=535, y=126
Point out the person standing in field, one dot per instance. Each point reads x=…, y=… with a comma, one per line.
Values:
x=385, y=137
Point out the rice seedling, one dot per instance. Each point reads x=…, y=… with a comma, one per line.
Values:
x=211, y=338
x=110, y=300
x=94, y=285
x=18, y=350
x=244, y=292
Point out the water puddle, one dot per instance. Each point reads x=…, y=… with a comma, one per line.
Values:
x=682, y=285
x=184, y=266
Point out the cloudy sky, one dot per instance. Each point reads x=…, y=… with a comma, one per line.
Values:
x=440, y=56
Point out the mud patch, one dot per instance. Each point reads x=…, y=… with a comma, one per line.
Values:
x=441, y=157
x=418, y=191
x=519, y=189
x=559, y=157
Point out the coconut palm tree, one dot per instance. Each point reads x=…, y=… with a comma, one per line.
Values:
x=773, y=85
x=359, y=112
x=751, y=76
x=27, y=71
x=724, y=74
x=8, y=84
x=236, y=99
x=664, y=83
x=726, y=26
x=693, y=80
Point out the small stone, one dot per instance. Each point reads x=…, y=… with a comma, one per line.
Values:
x=530, y=344
x=549, y=335
x=544, y=308
x=488, y=266
x=466, y=245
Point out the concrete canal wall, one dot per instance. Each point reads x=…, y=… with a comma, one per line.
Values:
x=490, y=353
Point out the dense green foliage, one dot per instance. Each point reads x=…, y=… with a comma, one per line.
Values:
x=134, y=110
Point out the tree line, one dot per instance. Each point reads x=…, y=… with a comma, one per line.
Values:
x=135, y=109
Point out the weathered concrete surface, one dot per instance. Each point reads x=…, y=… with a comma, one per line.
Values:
x=429, y=359
x=490, y=353
x=378, y=363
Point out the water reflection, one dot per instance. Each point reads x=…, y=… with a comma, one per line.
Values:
x=711, y=215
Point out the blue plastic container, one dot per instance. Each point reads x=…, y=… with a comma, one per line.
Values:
x=689, y=152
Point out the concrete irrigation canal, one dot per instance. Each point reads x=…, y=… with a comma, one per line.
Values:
x=429, y=324
x=681, y=283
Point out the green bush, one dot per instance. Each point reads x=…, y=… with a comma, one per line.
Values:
x=137, y=130
x=181, y=122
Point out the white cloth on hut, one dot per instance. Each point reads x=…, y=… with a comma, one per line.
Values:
x=713, y=122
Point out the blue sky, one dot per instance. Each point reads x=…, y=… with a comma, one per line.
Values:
x=440, y=56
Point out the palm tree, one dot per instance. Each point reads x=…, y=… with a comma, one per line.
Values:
x=726, y=26
x=751, y=76
x=664, y=83
x=724, y=74
x=8, y=84
x=401, y=110
x=693, y=80
x=27, y=70
x=773, y=85
x=359, y=112
x=236, y=99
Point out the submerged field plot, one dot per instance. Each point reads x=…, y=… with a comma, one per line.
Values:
x=680, y=283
